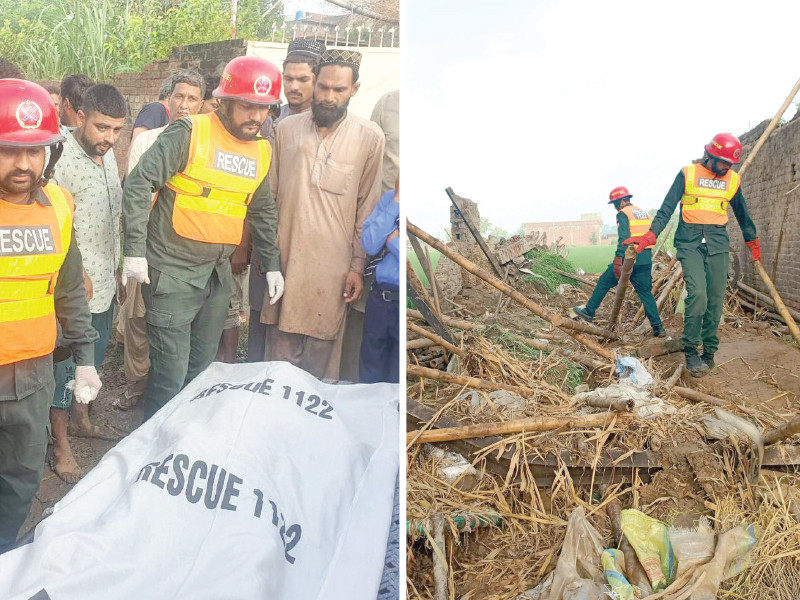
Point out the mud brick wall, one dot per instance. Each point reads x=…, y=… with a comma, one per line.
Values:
x=771, y=187
x=142, y=87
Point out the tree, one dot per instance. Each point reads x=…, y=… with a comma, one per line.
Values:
x=593, y=238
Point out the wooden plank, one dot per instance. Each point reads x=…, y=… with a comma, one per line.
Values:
x=543, y=469
x=428, y=313
x=426, y=267
x=475, y=231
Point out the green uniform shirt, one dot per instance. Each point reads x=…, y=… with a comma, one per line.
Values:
x=150, y=233
x=624, y=232
x=21, y=379
x=691, y=235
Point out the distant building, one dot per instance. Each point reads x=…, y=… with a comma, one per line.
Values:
x=586, y=232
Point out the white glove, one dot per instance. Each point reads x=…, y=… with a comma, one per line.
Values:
x=134, y=267
x=274, y=286
x=86, y=385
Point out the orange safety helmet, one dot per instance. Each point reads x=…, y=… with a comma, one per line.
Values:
x=28, y=115
x=619, y=193
x=725, y=146
x=251, y=79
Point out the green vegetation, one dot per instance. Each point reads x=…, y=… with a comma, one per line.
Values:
x=592, y=259
x=435, y=254
x=50, y=39
x=541, y=260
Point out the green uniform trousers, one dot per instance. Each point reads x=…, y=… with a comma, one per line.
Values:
x=706, y=277
x=184, y=326
x=23, y=446
x=643, y=284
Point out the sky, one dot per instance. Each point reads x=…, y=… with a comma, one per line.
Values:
x=538, y=109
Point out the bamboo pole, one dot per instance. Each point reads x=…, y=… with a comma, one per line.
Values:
x=770, y=128
x=570, y=327
x=696, y=396
x=518, y=426
x=674, y=377
x=779, y=434
x=465, y=380
x=760, y=311
x=673, y=281
x=615, y=404
x=421, y=343
x=764, y=298
x=634, y=570
x=435, y=338
x=778, y=301
x=449, y=321
x=656, y=285
x=432, y=280
x=664, y=237
x=622, y=285
x=441, y=586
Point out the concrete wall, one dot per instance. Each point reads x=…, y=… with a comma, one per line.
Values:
x=379, y=74
x=771, y=187
x=573, y=233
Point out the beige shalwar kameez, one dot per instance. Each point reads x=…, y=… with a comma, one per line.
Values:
x=325, y=189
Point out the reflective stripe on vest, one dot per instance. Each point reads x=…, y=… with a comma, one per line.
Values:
x=638, y=220
x=706, y=196
x=34, y=240
x=222, y=173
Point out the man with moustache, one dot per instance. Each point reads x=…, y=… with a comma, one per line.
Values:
x=88, y=169
x=210, y=172
x=41, y=284
x=327, y=180
x=298, y=86
x=186, y=92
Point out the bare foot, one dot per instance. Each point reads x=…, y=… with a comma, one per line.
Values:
x=63, y=464
x=90, y=430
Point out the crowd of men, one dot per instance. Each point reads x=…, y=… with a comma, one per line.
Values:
x=230, y=200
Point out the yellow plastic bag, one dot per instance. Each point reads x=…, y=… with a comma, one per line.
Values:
x=650, y=538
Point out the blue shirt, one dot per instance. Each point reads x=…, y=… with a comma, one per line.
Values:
x=379, y=225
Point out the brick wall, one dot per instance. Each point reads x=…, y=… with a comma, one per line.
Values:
x=771, y=187
x=572, y=233
x=142, y=88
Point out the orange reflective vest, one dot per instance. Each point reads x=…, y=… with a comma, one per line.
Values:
x=221, y=175
x=638, y=220
x=34, y=240
x=706, y=195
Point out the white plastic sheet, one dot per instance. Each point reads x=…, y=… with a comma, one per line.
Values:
x=256, y=481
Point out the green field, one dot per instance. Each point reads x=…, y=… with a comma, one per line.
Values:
x=592, y=259
x=418, y=268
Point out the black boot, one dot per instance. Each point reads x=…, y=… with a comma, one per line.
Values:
x=583, y=314
x=695, y=365
x=708, y=358
x=659, y=331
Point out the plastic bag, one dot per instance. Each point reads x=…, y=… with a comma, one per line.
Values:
x=650, y=538
x=613, y=561
x=692, y=547
x=731, y=556
x=578, y=573
x=631, y=369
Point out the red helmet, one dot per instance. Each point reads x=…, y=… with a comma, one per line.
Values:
x=725, y=146
x=619, y=193
x=28, y=115
x=252, y=79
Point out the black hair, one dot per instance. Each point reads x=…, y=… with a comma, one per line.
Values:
x=105, y=99
x=299, y=58
x=212, y=82
x=73, y=88
x=52, y=88
x=353, y=68
x=8, y=70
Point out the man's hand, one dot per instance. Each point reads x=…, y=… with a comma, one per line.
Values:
x=641, y=241
x=239, y=259
x=134, y=267
x=274, y=286
x=86, y=385
x=353, y=287
x=755, y=249
x=394, y=234
x=122, y=291
x=87, y=284
x=617, y=266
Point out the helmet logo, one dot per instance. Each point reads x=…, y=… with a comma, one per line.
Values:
x=29, y=115
x=737, y=153
x=262, y=85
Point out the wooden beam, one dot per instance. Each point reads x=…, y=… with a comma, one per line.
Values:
x=465, y=380
x=424, y=307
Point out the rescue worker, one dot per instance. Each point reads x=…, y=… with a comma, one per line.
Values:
x=210, y=172
x=41, y=282
x=631, y=221
x=704, y=190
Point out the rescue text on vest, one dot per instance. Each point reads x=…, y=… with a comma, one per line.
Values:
x=22, y=240
x=714, y=184
x=235, y=164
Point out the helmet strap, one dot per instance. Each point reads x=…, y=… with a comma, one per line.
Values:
x=55, y=153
